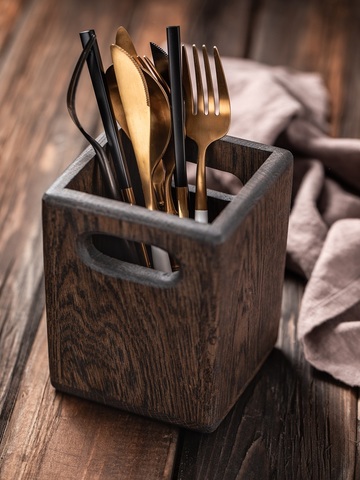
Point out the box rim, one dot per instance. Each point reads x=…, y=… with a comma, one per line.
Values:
x=214, y=233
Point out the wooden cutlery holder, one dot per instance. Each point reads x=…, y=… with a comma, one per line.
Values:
x=179, y=347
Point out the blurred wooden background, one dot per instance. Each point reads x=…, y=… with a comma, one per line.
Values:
x=292, y=422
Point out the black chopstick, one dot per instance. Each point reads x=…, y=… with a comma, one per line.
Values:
x=177, y=116
x=97, y=76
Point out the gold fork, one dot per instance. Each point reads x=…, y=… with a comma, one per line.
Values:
x=207, y=119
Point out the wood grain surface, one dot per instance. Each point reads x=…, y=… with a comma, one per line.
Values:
x=292, y=422
x=61, y=436
x=181, y=350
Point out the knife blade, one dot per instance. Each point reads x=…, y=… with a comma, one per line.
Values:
x=161, y=61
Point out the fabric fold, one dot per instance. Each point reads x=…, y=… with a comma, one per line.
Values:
x=329, y=321
x=281, y=106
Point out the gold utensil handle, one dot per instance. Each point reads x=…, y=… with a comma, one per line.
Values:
x=182, y=194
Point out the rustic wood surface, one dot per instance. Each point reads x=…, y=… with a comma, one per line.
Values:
x=292, y=422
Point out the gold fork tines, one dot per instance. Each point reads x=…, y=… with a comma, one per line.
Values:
x=207, y=117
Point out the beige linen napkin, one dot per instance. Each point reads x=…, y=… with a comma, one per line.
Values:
x=275, y=105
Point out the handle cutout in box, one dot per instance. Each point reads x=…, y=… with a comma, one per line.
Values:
x=109, y=255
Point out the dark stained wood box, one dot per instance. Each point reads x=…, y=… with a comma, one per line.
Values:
x=179, y=347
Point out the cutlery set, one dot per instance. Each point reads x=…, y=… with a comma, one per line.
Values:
x=157, y=107
x=163, y=341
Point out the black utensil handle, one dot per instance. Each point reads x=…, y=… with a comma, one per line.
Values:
x=97, y=76
x=177, y=105
x=71, y=94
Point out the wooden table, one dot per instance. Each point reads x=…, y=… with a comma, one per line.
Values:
x=292, y=422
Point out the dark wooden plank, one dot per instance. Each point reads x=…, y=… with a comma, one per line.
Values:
x=350, y=91
x=291, y=423
x=151, y=18
x=12, y=13
x=224, y=24
x=54, y=435
x=317, y=36
x=34, y=76
x=201, y=22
